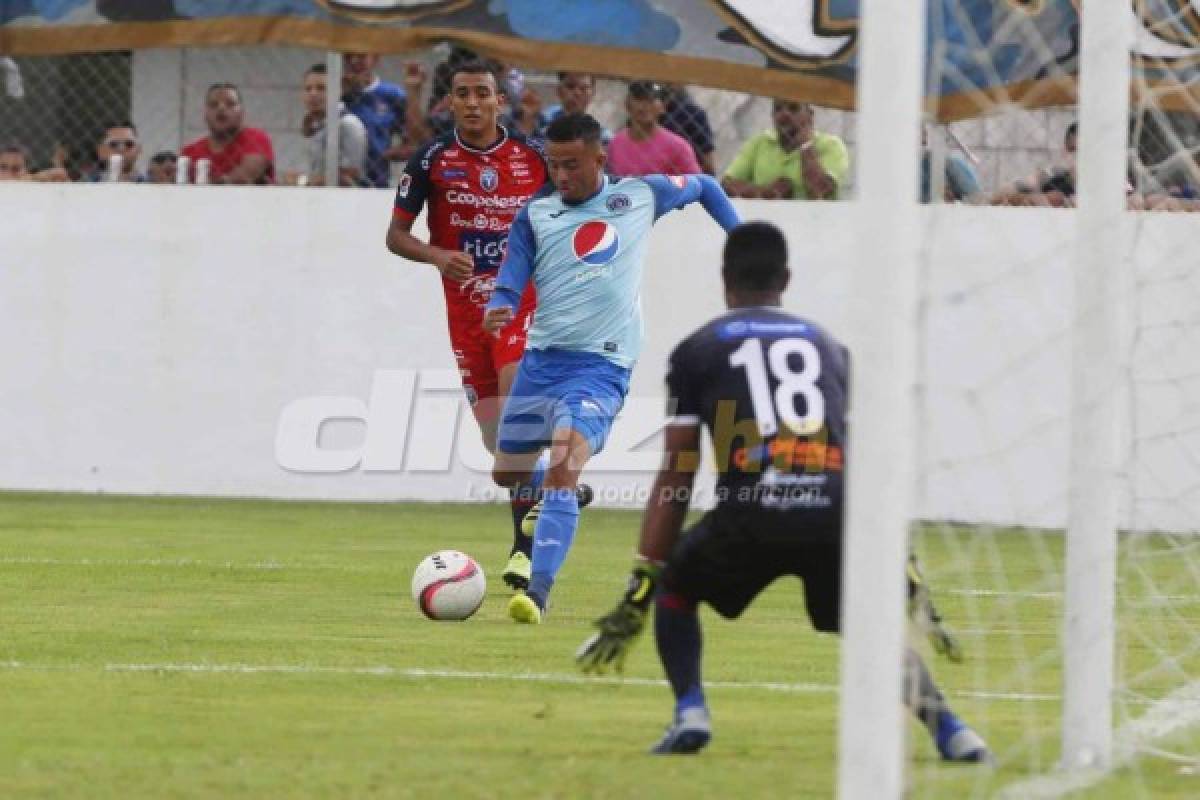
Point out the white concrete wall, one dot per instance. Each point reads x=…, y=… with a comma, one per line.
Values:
x=172, y=340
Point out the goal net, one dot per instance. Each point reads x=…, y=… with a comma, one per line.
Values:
x=1009, y=387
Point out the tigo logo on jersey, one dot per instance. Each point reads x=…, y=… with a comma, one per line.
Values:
x=595, y=242
x=489, y=179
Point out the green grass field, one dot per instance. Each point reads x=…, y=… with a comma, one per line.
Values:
x=189, y=648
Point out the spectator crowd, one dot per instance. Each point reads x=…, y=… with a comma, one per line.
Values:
x=381, y=124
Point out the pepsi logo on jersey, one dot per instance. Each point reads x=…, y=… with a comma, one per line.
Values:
x=595, y=242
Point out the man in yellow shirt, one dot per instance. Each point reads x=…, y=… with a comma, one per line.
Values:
x=791, y=162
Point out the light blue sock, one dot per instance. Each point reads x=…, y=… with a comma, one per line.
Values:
x=552, y=540
x=539, y=471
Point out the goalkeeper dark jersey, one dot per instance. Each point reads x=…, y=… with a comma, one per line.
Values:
x=771, y=388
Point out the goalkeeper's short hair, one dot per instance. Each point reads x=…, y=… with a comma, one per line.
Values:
x=755, y=258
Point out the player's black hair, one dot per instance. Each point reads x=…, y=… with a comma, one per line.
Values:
x=755, y=258
x=569, y=127
x=477, y=66
x=317, y=69
x=1072, y=130
x=163, y=157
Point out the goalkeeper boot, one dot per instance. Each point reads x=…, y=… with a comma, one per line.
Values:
x=517, y=572
x=957, y=742
x=583, y=494
x=523, y=609
x=690, y=732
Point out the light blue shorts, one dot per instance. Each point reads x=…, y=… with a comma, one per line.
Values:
x=561, y=389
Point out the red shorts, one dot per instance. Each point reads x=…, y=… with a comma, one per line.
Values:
x=481, y=356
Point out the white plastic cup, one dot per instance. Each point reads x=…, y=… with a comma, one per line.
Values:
x=181, y=170
x=202, y=167
x=114, y=167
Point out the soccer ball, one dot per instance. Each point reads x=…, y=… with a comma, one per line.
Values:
x=448, y=585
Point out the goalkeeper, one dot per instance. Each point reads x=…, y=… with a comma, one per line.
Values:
x=772, y=390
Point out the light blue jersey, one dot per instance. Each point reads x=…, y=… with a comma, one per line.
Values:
x=586, y=261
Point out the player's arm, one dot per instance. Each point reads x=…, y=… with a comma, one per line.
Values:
x=678, y=191
x=411, y=195
x=668, y=503
x=515, y=272
x=453, y=264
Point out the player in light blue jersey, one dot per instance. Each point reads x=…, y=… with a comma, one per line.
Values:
x=583, y=245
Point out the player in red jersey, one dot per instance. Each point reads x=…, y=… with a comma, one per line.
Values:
x=473, y=181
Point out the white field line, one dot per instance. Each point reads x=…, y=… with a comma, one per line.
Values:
x=996, y=593
x=474, y=675
x=1176, y=712
x=1057, y=595
x=270, y=566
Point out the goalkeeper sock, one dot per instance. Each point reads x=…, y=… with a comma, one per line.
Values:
x=552, y=540
x=921, y=693
x=521, y=499
x=677, y=635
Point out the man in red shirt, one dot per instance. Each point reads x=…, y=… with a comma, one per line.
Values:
x=236, y=154
x=473, y=181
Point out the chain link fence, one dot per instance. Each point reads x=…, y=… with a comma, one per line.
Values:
x=65, y=116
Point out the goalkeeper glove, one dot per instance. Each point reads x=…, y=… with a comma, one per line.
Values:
x=926, y=616
x=620, y=628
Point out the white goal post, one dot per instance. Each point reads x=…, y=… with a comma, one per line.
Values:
x=883, y=344
x=1103, y=287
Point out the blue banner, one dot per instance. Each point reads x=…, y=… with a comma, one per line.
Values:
x=980, y=53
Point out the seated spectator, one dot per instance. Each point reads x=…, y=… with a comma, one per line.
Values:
x=681, y=115
x=382, y=107
x=352, y=137
x=14, y=166
x=1055, y=187
x=119, y=139
x=1048, y=187
x=1062, y=179
x=575, y=92
x=236, y=154
x=793, y=161
x=527, y=116
x=644, y=147
x=961, y=181
x=162, y=167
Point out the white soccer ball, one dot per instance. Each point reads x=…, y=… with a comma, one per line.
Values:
x=448, y=585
